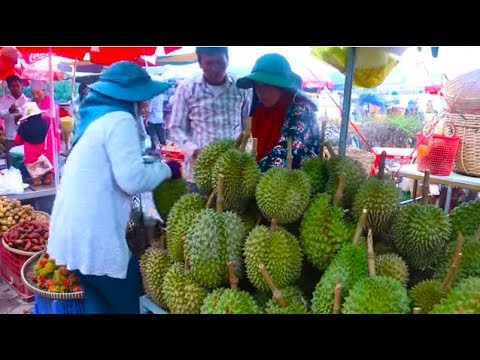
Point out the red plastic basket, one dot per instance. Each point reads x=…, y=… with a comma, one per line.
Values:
x=11, y=271
x=436, y=153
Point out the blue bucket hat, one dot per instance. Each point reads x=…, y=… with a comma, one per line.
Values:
x=271, y=69
x=128, y=81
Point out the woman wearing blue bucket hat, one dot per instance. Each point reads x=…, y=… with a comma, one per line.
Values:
x=283, y=111
x=104, y=170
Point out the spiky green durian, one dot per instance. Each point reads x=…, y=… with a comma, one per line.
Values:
x=464, y=298
x=283, y=194
x=182, y=295
x=296, y=303
x=205, y=163
x=377, y=295
x=213, y=240
x=347, y=268
x=167, y=194
x=392, y=265
x=421, y=233
x=278, y=250
x=317, y=172
x=382, y=199
x=426, y=294
x=181, y=216
x=323, y=231
x=465, y=218
x=354, y=177
x=154, y=264
x=229, y=301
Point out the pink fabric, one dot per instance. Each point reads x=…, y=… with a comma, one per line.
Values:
x=51, y=140
x=32, y=151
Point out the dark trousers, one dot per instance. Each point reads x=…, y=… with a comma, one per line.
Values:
x=106, y=295
x=156, y=129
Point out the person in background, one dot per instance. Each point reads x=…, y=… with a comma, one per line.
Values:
x=154, y=122
x=10, y=109
x=75, y=105
x=53, y=140
x=105, y=169
x=284, y=112
x=207, y=108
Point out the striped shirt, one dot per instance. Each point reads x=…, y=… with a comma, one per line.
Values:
x=199, y=116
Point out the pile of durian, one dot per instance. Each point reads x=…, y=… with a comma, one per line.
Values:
x=322, y=239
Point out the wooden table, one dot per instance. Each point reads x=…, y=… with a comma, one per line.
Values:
x=453, y=180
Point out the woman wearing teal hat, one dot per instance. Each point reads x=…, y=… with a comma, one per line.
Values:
x=283, y=111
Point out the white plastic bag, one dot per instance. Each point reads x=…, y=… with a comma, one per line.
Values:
x=11, y=181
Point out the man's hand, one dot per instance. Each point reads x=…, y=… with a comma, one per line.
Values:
x=17, y=118
x=13, y=109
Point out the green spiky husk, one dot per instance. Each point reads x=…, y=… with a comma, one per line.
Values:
x=212, y=240
x=377, y=295
x=421, y=234
x=167, y=194
x=323, y=231
x=283, y=195
x=181, y=216
x=392, y=265
x=229, y=301
x=426, y=294
x=382, y=199
x=154, y=264
x=182, y=295
x=296, y=303
x=317, y=172
x=464, y=298
x=278, y=250
x=465, y=218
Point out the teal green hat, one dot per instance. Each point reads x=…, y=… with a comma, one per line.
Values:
x=128, y=81
x=272, y=69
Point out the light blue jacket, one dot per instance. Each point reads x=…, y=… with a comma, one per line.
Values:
x=92, y=207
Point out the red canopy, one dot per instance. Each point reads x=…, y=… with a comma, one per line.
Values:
x=433, y=89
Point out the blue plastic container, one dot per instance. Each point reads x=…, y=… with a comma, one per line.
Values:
x=49, y=306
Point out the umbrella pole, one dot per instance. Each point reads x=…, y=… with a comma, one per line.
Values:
x=53, y=112
x=347, y=95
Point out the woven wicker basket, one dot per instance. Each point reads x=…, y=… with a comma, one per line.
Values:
x=27, y=270
x=467, y=160
x=462, y=94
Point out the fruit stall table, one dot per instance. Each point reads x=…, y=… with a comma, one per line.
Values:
x=400, y=154
x=35, y=193
x=453, y=180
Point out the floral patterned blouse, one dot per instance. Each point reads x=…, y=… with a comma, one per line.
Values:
x=301, y=125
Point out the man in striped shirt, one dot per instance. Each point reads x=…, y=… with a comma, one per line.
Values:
x=207, y=108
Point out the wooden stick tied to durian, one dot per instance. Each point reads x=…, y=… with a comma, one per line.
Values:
x=370, y=254
x=337, y=199
x=330, y=149
x=454, y=264
x=233, y=278
x=381, y=165
x=337, y=299
x=277, y=293
x=254, y=147
x=360, y=226
x=322, y=139
x=425, y=187
x=220, y=193
x=246, y=134
x=289, y=153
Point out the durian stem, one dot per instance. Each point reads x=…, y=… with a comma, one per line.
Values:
x=233, y=278
x=274, y=225
x=330, y=149
x=417, y=310
x=477, y=234
x=381, y=165
x=246, y=133
x=211, y=199
x=426, y=187
x=289, y=153
x=454, y=264
x=277, y=293
x=337, y=199
x=220, y=193
x=259, y=220
x=370, y=254
x=322, y=139
x=161, y=243
x=337, y=299
x=360, y=226
x=254, y=147
x=238, y=140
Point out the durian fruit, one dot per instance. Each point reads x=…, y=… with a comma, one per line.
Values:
x=205, y=163
x=463, y=299
x=241, y=177
x=182, y=295
x=229, y=301
x=317, y=171
x=382, y=200
x=294, y=300
x=283, y=194
x=212, y=240
x=421, y=234
x=167, y=194
x=181, y=216
x=465, y=219
x=278, y=250
x=426, y=294
x=354, y=174
x=392, y=265
x=323, y=231
x=154, y=264
x=377, y=295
